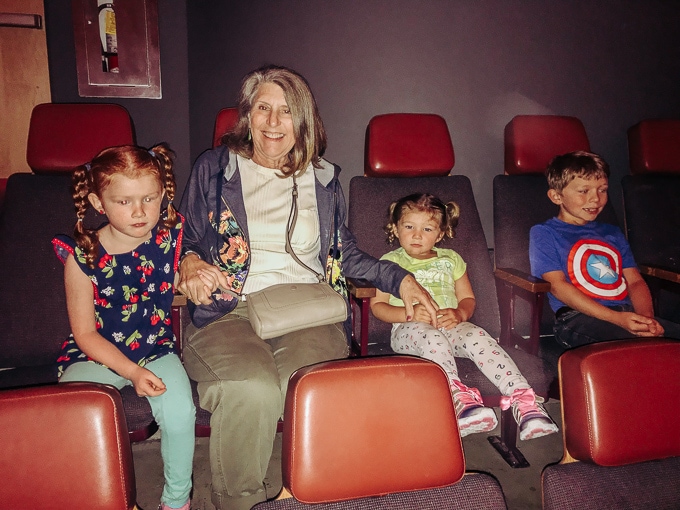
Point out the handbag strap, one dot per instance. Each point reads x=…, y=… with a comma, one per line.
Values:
x=292, y=220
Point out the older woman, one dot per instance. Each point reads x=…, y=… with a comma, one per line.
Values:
x=236, y=206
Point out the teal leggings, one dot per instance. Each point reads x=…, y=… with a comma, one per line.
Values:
x=174, y=412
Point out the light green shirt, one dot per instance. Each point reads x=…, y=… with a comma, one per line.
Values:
x=438, y=274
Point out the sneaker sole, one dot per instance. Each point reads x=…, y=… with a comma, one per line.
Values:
x=538, y=432
x=484, y=425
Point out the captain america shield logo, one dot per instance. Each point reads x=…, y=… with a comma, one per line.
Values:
x=595, y=269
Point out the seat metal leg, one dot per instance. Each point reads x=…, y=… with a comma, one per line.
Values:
x=506, y=443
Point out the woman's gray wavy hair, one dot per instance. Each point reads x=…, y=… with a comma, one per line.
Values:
x=310, y=135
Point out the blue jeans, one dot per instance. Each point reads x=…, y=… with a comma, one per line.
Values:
x=174, y=412
x=573, y=328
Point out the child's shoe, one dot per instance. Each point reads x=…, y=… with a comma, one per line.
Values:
x=532, y=418
x=185, y=506
x=472, y=416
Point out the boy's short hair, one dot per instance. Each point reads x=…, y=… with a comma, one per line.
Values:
x=563, y=169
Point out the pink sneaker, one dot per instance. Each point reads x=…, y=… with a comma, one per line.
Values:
x=472, y=416
x=532, y=418
x=185, y=506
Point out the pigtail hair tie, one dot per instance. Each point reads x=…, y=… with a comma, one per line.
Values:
x=88, y=167
x=153, y=154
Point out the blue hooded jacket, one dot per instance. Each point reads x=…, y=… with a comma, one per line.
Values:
x=216, y=228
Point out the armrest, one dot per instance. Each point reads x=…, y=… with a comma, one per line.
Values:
x=512, y=284
x=658, y=279
x=522, y=280
x=668, y=275
x=360, y=289
x=179, y=320
x=179, y=300
x=360, y=293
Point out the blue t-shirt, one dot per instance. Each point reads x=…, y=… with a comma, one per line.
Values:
x=592, y=257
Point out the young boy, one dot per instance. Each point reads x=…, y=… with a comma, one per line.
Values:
x=596, y=290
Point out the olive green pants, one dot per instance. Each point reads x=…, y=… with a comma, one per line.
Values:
x=242, y=381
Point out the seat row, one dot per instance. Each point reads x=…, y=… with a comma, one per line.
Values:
x=30, y=344
x=408, y=152
x=376, y=433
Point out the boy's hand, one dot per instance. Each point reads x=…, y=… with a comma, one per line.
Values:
x=146, y=383
x=639, y=325
x=449, y=318
x=656, y=329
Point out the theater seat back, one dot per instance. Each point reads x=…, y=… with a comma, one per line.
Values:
x=531, y=141
x=621, y=401
x=654, y=146
x=408, y=145
x=64, y=136
x=350, y=429
x=65, y=446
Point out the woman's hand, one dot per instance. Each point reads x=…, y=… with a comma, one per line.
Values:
x=198, y=279
x=146, y=383
x=412, y=292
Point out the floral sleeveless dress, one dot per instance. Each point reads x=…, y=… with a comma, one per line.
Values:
x=133, y=295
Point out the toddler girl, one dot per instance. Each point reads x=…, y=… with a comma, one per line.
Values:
x=119, y=291
x=419, y=222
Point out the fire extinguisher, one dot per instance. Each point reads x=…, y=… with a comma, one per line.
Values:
x=107, y=34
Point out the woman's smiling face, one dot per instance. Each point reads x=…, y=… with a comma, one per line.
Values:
x=271, y=127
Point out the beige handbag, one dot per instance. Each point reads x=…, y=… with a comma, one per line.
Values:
x=288, y=307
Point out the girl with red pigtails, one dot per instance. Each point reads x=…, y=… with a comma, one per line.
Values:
x=119, y=291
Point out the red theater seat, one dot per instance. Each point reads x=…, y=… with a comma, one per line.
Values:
x=654, y=146
x=369, y=200
x=226, y=119
x=652, y=213
x=408, y=145
x=531, y=141
x=63, y=136
x=348, y=440
x=520, y=201
x=34, y=321
x=621, y=417
x=65, y=446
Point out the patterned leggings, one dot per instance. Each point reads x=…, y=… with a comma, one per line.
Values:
x=464, y=341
